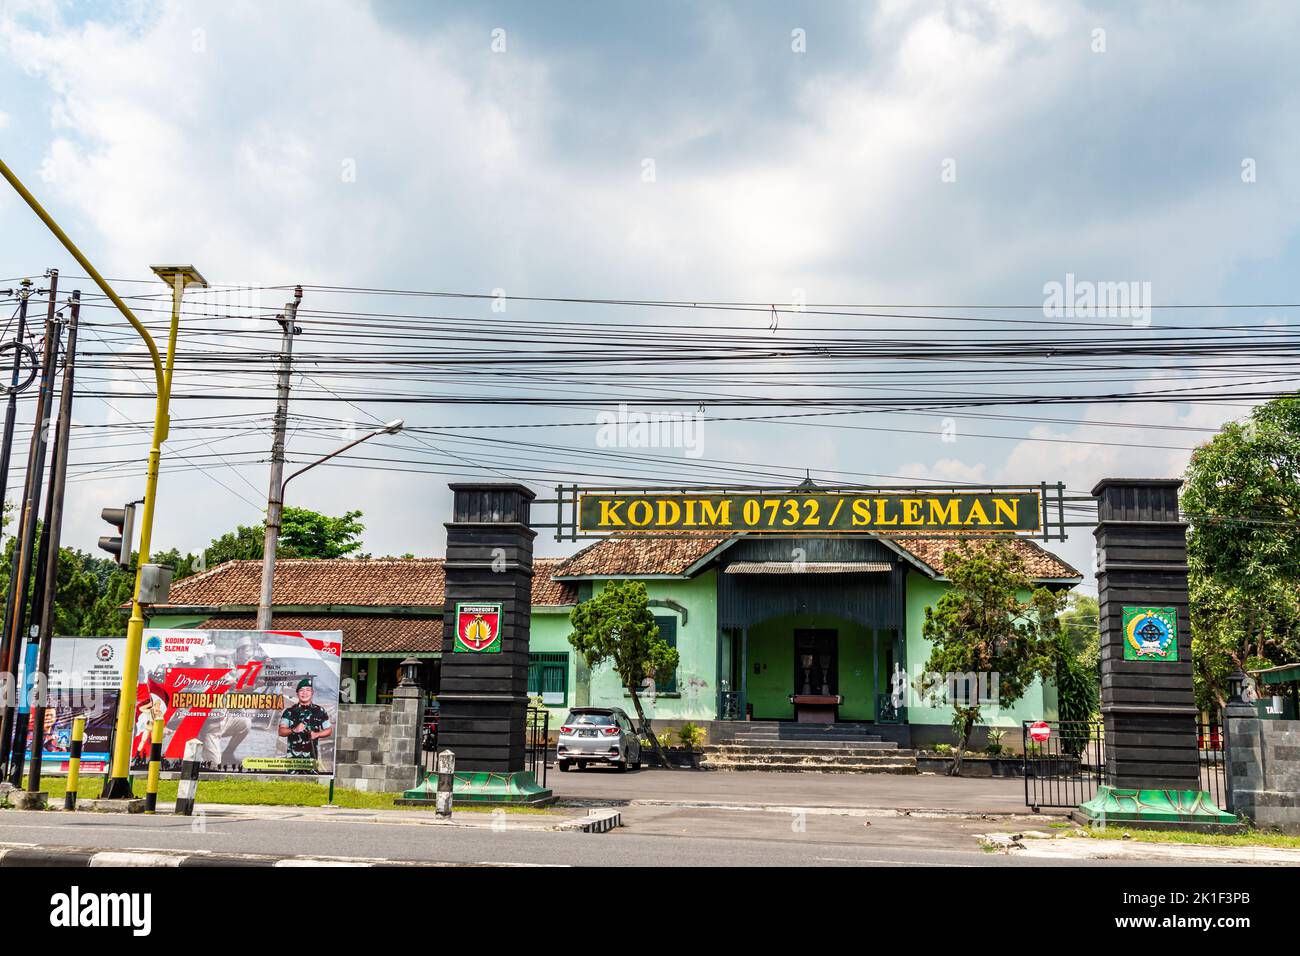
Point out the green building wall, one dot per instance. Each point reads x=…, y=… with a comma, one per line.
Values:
x=1036, y=704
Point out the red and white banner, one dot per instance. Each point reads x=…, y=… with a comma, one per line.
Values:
x=257, y=701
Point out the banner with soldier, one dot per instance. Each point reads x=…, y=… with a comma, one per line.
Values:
x=257, y=701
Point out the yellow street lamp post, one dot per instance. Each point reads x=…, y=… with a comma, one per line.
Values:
x=119, y=785
x=178, y=277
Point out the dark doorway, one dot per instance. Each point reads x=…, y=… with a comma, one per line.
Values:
x=816, y=661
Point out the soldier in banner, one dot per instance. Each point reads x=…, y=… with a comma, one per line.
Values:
x=225, y=730
x=304, y=724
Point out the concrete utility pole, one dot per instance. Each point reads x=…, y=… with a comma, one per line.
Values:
x=11, y=408
x=20, y=571
x=50, y=538
x=275, y=494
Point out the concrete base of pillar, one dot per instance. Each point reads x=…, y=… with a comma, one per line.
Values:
x=482, y=788
x=131, y=805
x=1156, y=809
x=22, y=800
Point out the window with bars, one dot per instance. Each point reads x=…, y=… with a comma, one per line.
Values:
x=667, y=684
x=548, y=677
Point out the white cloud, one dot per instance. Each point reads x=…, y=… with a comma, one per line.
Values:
x=467, y=177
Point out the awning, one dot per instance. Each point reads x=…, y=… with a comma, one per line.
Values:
x=1282, y=674
x=808, y=567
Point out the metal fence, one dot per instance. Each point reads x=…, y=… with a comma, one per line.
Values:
x=537, y=747
x=1212, y=744
x=1065, y=769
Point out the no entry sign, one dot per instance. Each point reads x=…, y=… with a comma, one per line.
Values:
x=1039, y=731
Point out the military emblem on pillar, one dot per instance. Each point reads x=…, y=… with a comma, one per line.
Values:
x=478, y=628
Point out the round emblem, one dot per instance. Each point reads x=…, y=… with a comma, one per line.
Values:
x=1149, y=635
x=105, y=653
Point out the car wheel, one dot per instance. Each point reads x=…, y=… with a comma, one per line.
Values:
x=563, y=765
x=622, y=766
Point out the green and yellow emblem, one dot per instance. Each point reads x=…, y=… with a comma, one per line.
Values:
x=1150, y=634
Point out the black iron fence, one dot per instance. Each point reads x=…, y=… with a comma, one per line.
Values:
x=538, y=744
x=537, y=747
x=1065, y=769
x=1212, y=744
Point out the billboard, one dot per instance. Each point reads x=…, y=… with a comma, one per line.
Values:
x=257, y=701
x=84, y=680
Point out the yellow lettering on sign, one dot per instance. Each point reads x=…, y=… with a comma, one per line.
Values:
x=861, y=512
x=977, y=514
x=609, y=514
x=880, y=513
x=944, y=512
x=670, y=512
x=911, y=510
x=1011, y=509
x=640, y=513
x=716, y=512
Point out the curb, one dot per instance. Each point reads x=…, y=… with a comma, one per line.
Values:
x=596, y=821
x=850, y=811
x=68, y=856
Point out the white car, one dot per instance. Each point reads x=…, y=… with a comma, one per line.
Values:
x=598, y=735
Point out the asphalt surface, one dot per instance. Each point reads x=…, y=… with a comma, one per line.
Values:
x=653, y=836
x=918, y=791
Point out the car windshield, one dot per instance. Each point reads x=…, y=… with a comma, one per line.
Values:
x=592, y=720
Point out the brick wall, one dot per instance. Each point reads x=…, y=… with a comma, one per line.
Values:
x=1264, y=762
x=377, y=745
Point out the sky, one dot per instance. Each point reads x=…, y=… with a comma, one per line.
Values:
x=915, y=153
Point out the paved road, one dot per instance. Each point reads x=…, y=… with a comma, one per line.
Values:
x=655, y=836
x=794, y=789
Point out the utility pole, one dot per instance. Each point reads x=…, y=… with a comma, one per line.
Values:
x=11, y=408
x=51, y=536
x=21, y=568
x=275, y=494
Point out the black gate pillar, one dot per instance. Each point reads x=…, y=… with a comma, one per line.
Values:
x=483, y=691
x=1153, y=770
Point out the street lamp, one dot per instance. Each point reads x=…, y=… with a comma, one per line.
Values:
x=268, y=552
x=178, y=278
x=119, y=784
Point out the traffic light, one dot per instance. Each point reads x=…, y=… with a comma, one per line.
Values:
x=119, y=545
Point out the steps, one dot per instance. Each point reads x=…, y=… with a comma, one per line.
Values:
x=807, y=748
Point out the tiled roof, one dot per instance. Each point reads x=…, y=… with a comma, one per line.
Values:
x=548, y=592
x=360, y=582
x=630, y=556
x=368, y=633
x=620, y=557
x=1041, y=563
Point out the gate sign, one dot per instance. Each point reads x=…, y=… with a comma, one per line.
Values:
x=478, y=628
x=794, y=512
x=1150, y=634
x=1039, y=731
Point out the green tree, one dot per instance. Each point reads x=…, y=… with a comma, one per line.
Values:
x=616, y=626
x=309, y=534
x=1078, y=670
x=982, y=629
x=303, y=534
x=1081, y=622
x=1241, y=497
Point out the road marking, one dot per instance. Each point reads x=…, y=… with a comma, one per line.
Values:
x=855, y=859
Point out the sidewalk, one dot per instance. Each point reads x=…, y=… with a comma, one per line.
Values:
x=714, y=788
x=576, y=819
